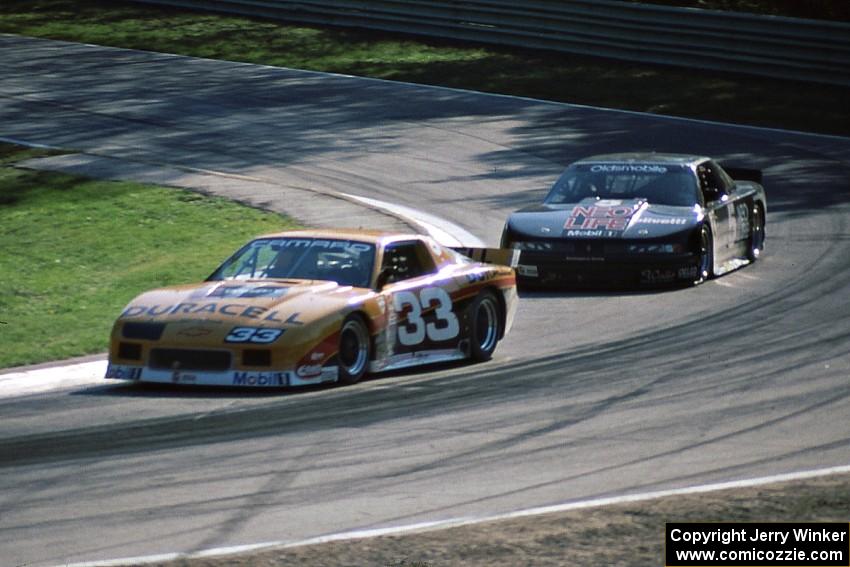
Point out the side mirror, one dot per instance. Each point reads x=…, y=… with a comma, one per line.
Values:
x=383, y=277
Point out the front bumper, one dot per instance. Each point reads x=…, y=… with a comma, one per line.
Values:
x=552, y=269
x=234, y=378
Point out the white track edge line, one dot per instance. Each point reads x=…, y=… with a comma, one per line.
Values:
x=443, y=231
x=470, y=520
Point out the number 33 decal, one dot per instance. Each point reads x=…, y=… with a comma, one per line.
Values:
x=414, y=332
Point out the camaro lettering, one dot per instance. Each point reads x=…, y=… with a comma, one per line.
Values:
x=329, y=244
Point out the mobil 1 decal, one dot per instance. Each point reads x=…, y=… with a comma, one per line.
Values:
x=604, y=218
x=425, y=319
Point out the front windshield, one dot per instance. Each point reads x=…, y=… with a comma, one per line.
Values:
x=658, y=184
x=343, y=261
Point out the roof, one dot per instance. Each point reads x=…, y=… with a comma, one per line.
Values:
x=646, y=158
x=363, y=235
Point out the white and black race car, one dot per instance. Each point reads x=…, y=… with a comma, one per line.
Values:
x=640, y=218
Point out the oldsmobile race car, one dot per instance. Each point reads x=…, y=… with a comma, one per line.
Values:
x=308, y=307
x=640, y=218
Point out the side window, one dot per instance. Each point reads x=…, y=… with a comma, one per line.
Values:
x=713, y=182
x=406, y=260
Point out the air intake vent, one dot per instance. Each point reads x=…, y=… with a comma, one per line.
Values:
x=187, y=359
x=146, y=331
x=257, y=357
x=129, y=351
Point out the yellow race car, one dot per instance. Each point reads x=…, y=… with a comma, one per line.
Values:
x=308, y=307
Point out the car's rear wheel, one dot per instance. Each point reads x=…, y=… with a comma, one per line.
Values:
x=485, y=326
x=756, y=234
x=354, y=350
x=705, y=262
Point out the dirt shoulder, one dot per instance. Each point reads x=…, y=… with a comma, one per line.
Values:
x=622, y=534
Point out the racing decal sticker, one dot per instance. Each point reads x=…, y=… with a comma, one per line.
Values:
x=120, y=372
x=226, y=309
x=415, y=329
x=259, y=378
x=662, y=220
x=313, y=364
x=182, y=377
x=241, y=291
x=606, y=218
x=256, y=335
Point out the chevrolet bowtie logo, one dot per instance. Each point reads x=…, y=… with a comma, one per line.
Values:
x=194, y=332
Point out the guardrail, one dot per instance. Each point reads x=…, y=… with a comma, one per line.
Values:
x=785, y=48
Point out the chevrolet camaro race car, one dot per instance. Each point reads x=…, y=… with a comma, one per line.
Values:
x=308, y=307
x=640, y=218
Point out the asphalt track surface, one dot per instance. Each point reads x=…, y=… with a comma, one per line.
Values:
x=592, y=395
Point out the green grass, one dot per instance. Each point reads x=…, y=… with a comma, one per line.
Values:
x=585, y=80
x=76, y=250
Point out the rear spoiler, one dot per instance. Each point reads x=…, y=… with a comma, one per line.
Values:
x=743, y=174
x=501, y=256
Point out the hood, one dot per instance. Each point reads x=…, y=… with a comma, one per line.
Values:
x=244, y=302
x=592, y=218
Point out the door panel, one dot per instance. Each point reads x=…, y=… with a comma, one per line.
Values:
x=723, y=225
x=426, y=318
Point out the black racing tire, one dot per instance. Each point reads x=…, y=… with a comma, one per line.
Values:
x=485, y=326
x=757, y=235
x=705, y=263
x=355, y=349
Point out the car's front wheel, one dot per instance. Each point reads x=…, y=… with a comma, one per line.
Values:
x=485, y=326
x=354, y=350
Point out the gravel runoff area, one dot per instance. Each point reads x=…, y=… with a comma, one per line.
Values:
x=619, y=534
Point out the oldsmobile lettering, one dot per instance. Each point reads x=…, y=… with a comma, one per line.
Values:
x=627, y=168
